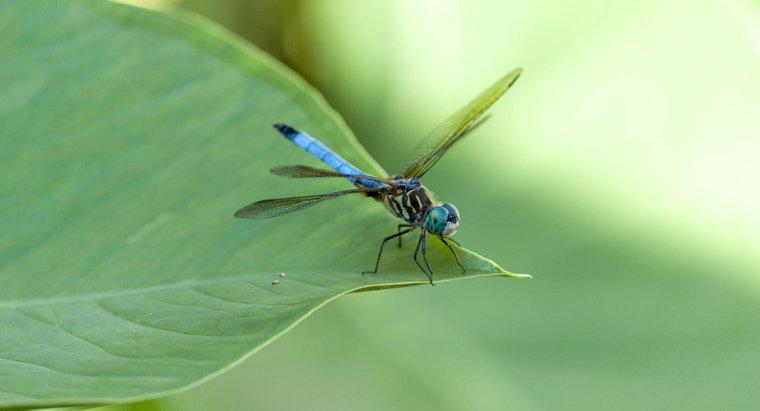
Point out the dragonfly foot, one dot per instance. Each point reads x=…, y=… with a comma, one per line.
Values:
x=454, y=253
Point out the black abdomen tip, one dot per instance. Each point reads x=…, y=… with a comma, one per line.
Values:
x=286, y=130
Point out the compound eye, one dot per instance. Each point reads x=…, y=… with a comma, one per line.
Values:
x=453, y=212
x=451, y=228
x=437, y=219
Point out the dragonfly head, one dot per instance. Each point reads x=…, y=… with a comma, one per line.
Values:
x=443, y=220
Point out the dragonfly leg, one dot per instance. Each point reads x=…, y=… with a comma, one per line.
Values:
x=399, y=230
x=380, y=253
x=421, y=244
x=456, y=257
x=424, y=255
x=455, y=242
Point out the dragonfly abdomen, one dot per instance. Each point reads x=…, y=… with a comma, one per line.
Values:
x=410, y=205
x=314, y=147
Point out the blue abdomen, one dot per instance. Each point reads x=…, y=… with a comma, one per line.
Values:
x=320, y=151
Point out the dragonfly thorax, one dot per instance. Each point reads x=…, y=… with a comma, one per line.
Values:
x=411, y=205
x=415, y=206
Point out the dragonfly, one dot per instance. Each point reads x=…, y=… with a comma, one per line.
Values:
x=403, y=195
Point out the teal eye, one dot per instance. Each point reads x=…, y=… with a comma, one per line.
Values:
x=453, y=212
x=436, y=220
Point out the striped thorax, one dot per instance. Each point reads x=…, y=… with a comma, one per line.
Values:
x=409, y=203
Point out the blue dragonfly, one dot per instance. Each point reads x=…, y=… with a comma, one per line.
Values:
x=403, y=194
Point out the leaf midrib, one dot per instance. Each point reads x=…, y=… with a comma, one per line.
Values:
x=109, y=294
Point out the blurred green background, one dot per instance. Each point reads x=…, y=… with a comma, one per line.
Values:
x=621, y=171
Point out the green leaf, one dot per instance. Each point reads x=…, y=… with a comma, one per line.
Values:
x=127, y=140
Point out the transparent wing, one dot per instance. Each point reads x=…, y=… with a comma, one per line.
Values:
x=313, y=172
x=435, y=145
x=281, y=206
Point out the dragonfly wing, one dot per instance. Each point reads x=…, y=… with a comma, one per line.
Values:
x=467, y=119
x=313, y=172
x=281, y=206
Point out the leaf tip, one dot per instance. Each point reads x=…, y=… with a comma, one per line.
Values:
x=515, y=275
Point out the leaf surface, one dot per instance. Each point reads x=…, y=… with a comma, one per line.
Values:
x=127, y=140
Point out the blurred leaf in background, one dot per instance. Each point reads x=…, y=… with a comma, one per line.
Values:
x=623, y=176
